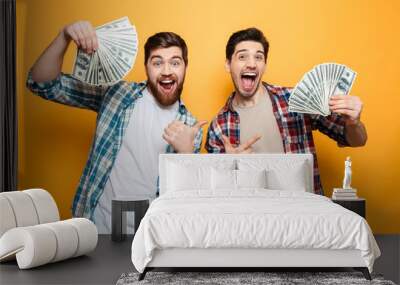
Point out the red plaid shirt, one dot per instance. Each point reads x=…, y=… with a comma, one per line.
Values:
x=295, y=128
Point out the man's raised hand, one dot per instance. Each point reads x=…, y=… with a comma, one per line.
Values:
x=347, y=105
x=83, y=34
x=181, y=137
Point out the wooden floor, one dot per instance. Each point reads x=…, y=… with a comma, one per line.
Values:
x=110, y=260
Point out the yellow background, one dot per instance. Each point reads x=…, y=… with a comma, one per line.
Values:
x=54, y=139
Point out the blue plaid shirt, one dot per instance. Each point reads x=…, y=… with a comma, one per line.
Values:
x=114, y=106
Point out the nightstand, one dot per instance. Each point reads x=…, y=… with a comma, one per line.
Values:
x=119, y=207
x=357, y=205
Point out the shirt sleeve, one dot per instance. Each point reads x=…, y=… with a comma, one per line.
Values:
x=197, y=141
x=191, y=121
x=214, y=143
x=68, y=91
x=333, y=126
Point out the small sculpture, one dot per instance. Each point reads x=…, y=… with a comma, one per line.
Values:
x=347, y=174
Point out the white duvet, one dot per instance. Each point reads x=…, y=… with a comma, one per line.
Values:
x=251, y=218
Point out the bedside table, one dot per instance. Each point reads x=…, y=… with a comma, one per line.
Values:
x=357, y=205
x=119, y=207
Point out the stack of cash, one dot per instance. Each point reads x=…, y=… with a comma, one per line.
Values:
x=311, y=95
x=114, y=57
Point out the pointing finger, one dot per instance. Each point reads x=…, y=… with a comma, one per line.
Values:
x=250, y=142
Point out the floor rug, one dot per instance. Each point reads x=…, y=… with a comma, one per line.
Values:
x=244, y=278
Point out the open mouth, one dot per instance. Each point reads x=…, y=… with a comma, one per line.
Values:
x=248, y=80
x=167, y=85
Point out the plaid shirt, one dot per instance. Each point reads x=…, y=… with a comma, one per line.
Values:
x=114, y=106
x=295, y=128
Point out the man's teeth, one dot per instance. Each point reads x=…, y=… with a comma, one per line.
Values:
x=167, y=81
x=249, y=74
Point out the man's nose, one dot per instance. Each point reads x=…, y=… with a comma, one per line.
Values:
x=166, y=70
x=251, y=62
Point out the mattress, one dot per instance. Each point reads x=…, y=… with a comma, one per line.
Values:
x=250, y=219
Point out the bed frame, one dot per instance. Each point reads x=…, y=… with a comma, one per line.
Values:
x=249, y=259
x=260, y=259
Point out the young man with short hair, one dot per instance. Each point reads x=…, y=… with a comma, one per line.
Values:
x=255, y=117
x=135, y=121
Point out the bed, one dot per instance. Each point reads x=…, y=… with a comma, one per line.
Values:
x=247, y=211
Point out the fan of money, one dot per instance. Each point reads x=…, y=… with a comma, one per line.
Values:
x=113, y=59
x=311, y=95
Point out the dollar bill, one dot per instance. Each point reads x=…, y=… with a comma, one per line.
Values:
x=313, y=92
x=115, y=57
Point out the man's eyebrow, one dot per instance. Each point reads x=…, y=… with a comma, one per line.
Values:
x=176, y=56
x=241, y=50
x=155, y=56
x=160, y=57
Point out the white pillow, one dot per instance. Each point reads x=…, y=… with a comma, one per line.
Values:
x=281, y=174
x=182, y=177
x=251, y=178
x=235, y=179
x=293, y=179
x=223, y=179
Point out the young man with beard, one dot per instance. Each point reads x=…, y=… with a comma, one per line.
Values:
x=135, y=121
x=257, y=112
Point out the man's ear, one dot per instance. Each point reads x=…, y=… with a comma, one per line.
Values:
x=228, y=65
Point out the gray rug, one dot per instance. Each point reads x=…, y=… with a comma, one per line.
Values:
x=243, y=278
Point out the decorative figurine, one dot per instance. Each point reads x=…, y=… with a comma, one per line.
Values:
x=347, y=174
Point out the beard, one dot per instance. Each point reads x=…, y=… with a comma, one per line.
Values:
x=163, y=99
